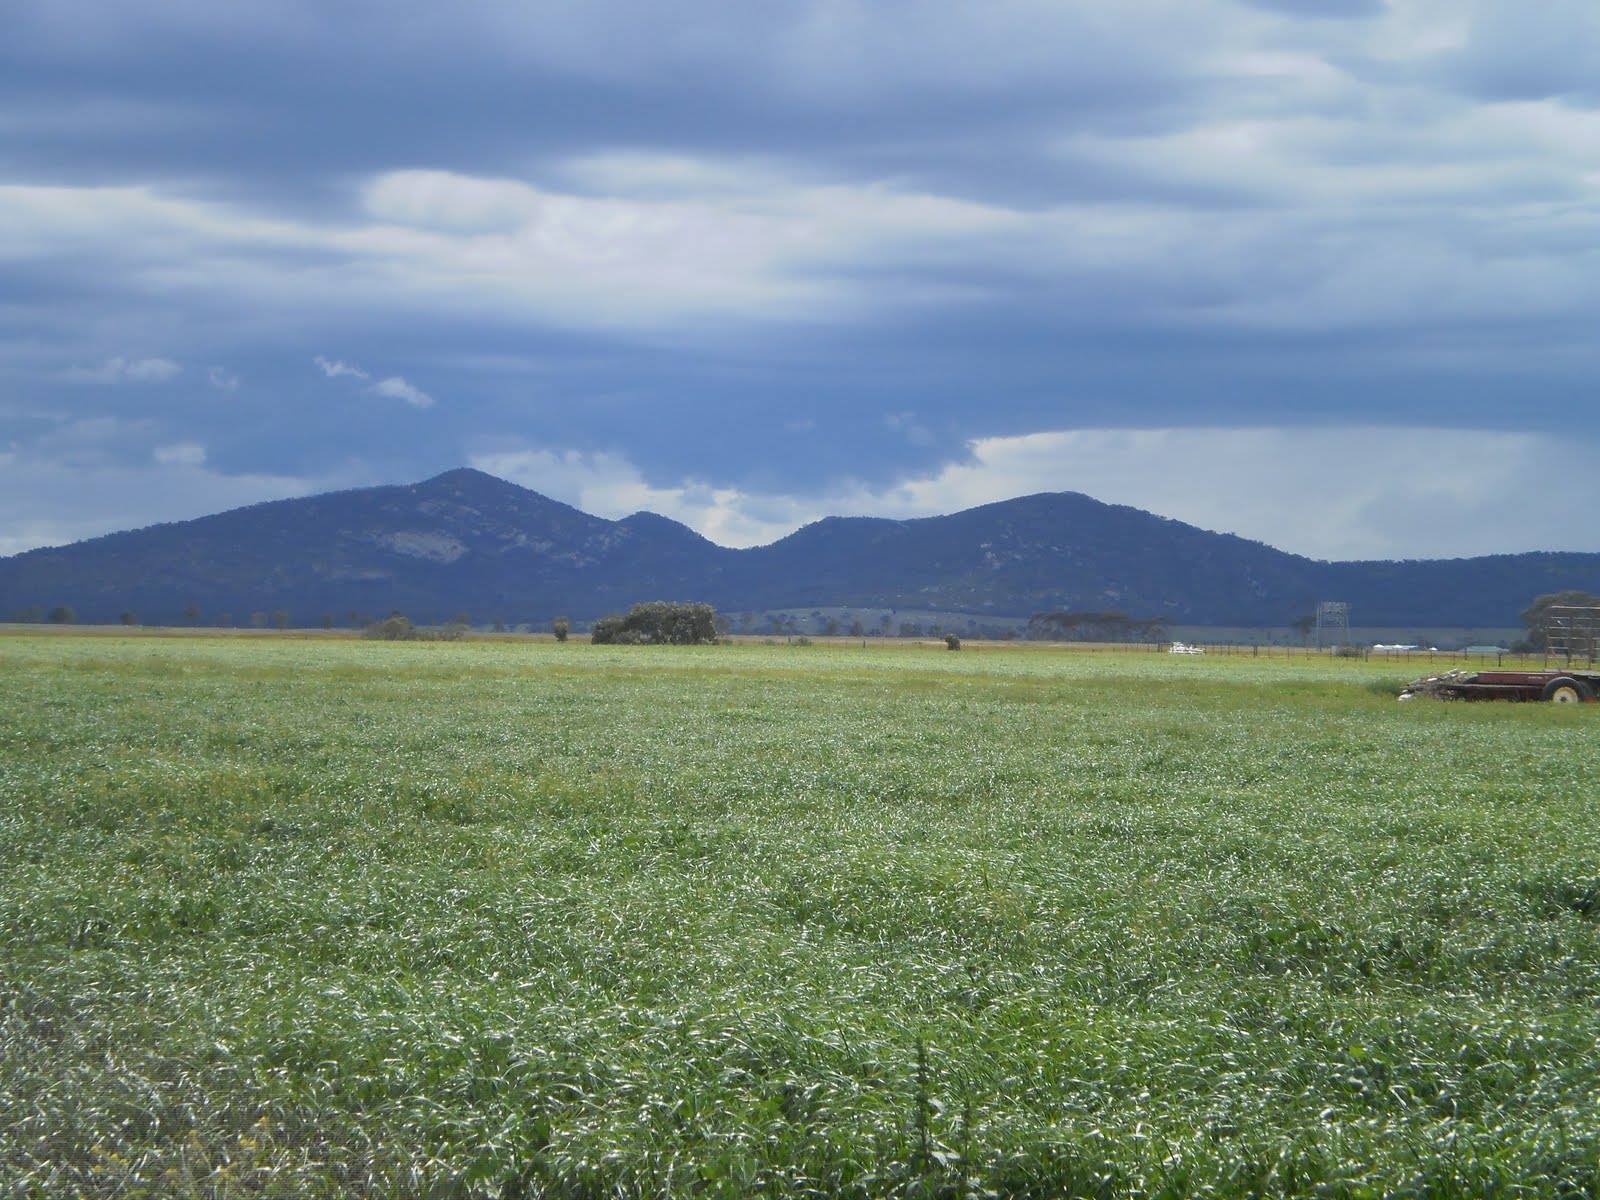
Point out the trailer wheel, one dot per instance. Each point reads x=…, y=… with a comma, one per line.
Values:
x=1566, y=690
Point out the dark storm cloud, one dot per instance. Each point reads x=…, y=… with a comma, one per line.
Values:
x=242, y=95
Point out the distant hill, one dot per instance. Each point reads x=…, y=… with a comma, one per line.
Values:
x=467, y=542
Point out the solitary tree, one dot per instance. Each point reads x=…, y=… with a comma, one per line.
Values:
x=327, y=620
x=258, y=619
x=561, y=627
x=62, y=614
x=280, y=619
x=127, y=618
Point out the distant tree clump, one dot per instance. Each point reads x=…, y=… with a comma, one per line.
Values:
x=280, y=619
x=659, y=623
x=128, y=618
x=561, y=627
x=397, y=627
x=952, y=642
x=1097, y=627
x=62, y=614
x=326, y=620
x=258, y=620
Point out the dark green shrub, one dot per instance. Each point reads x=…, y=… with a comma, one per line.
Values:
x=658, y=623
x=952, y=642
x=396, y=627
x=561, y=627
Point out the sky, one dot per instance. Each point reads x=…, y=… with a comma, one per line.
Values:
x=1324, y=273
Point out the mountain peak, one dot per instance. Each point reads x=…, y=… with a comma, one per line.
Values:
x=464, y=477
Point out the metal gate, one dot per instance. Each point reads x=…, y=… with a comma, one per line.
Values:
x=1572, y=631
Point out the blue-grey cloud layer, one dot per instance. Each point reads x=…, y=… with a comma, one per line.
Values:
x=778, y=251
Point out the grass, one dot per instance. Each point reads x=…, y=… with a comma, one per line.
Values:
x=331, y=917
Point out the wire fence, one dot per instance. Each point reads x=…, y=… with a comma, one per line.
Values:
x=1483, y=659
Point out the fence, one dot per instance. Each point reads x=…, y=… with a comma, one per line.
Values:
x=1483, y=659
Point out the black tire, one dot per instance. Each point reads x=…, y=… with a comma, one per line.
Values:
x=1566, y=690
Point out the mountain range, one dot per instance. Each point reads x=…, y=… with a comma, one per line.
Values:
x=465, y=541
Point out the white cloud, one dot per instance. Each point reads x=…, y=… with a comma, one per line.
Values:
x=333, y=369
x=222, y=379
x=436, y=241
x=123, y=370
x=1326, y=493
x=185, y=454
x=609, y=485
x=396, y=388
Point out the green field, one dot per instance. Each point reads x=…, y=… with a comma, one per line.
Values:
x=339, y=917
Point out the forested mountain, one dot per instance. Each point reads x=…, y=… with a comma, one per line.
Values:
x=467, y=542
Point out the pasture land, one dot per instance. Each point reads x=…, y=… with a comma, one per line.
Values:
x=291, y=916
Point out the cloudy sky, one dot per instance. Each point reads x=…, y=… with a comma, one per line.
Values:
x=1321, y=272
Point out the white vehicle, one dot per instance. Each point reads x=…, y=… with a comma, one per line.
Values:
x=1182, y=648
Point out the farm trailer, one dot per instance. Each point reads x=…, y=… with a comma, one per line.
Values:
x=1557, y=687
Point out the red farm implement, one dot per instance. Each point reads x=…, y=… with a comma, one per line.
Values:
x=1564, y=686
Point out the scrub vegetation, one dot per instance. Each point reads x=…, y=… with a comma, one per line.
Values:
x=299, y=916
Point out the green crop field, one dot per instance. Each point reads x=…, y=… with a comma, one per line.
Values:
x=290, y=916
